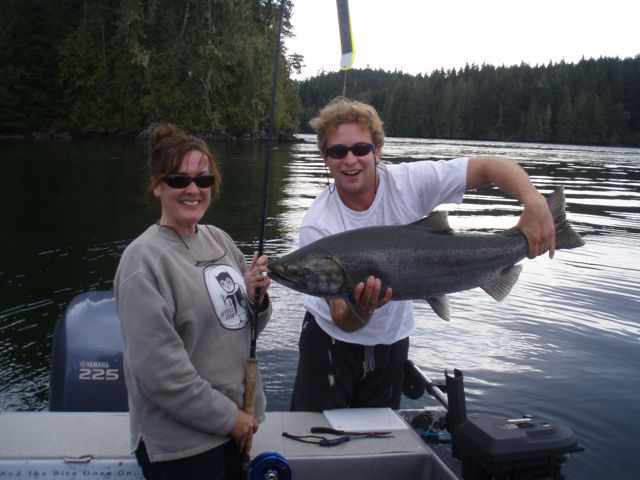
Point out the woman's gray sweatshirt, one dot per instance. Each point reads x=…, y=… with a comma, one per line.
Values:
x=185, y=322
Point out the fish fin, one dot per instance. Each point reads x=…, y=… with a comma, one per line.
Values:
x=436, y=222
x=505, y=282
x=356, y=310
x=440, y=306
x=566, y=237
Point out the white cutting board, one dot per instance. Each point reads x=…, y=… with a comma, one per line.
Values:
x=364, y=419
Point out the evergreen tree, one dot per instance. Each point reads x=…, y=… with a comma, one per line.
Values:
x=592, y=102
x=114, y=66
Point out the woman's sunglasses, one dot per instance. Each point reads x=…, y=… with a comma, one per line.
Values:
x=359, y=150
x=183, y=181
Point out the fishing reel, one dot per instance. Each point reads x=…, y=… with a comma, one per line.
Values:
x=270, y=466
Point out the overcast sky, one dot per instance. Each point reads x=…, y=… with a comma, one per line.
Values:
x=419, y=36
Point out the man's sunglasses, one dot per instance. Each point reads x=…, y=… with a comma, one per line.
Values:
x=183, y=181
x=359, y=150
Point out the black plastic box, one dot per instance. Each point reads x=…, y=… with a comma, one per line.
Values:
x=493, y=447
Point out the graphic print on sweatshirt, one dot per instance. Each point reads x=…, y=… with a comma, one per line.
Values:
x=226, y=290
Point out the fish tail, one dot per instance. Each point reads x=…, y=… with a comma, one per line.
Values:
x=566, y=237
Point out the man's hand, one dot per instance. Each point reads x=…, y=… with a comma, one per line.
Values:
x=367, y=297
x=536, y=223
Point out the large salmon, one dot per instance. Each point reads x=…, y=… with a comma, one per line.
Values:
x=421, y=260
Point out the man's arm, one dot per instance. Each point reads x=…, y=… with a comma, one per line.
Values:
x=535, y=222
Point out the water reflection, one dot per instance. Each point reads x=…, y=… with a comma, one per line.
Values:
x=566, y=335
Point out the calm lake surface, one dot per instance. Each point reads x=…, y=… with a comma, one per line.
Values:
x=565, y=344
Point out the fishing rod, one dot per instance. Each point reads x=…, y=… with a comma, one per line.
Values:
x=251, y=373
x=346, y=62
x=346, y=40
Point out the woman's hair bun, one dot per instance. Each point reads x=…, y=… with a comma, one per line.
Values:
x=162, y=131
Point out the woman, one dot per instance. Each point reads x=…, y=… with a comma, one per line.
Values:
x=186, y=332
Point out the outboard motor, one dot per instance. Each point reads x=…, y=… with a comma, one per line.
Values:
x=86, y=371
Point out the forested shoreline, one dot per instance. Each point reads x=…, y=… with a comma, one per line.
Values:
x=591, y=102
x=112, y=67
x=80, y=67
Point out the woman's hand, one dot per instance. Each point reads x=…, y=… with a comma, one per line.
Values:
x=243, y=429
x=256, y=278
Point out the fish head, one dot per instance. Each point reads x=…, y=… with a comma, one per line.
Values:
x=311, y=273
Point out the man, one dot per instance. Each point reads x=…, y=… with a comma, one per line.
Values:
x=343, y=363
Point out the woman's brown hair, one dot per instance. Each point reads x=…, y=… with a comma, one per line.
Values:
x=169, y=144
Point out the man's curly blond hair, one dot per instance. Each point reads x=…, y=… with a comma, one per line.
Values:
x=343, y=110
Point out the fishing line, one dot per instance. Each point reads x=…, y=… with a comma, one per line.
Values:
x=344, y=84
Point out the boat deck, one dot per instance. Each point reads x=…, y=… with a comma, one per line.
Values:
x=404, y=455
x=63, y=444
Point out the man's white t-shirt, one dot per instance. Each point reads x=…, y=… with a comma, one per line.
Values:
x=406, y=193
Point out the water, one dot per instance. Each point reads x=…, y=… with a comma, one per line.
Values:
x=563, y=345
